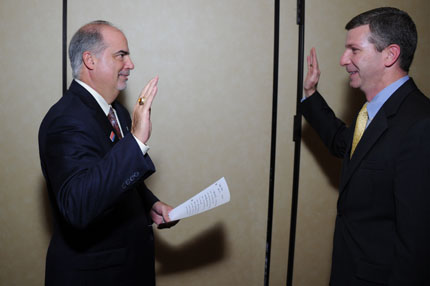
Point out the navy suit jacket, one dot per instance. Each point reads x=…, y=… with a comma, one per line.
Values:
x=102, y=229
x=382, y=231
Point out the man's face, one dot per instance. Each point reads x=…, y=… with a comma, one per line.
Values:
x=113, y=64
x=362, y=61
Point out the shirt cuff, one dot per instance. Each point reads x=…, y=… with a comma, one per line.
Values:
x=142, y=146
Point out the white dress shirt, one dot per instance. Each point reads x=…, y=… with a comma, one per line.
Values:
x=106, y=107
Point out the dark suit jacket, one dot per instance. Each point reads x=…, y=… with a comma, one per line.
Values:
x=382, y=231
x=102, y=230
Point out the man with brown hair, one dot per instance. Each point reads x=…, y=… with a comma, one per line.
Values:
x=382, y=232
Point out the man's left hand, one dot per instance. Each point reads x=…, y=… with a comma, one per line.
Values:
x=160, y=215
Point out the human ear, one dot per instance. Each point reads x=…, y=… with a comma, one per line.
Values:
x=89, y=60
x=392, y=54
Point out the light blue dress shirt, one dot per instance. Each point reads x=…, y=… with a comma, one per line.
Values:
x=376, y=103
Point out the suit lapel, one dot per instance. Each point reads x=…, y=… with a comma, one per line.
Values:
x=374, y=131
x=97, y=111
x=370, y=136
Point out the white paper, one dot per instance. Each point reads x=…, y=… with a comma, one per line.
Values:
x=213, y=196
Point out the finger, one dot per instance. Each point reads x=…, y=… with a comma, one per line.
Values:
x=152, y=88
x=165, y=219
x=147, y=89
x=151, y=85
x=152, y=91
x=144, y=91
x=148, y=86
x=150, y=97
x=314, y=58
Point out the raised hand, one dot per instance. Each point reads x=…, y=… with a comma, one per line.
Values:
x=313, y=75
x=141, y=126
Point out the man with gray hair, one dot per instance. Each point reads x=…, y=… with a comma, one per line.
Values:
x=382, y=232
x=95, y=159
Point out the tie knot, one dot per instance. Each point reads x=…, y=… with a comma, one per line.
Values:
x=111, y=112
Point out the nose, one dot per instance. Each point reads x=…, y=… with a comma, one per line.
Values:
x=344, y=59
x=129, y=64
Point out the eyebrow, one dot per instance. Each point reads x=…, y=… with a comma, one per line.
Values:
x=122, y=52
x=350, y=46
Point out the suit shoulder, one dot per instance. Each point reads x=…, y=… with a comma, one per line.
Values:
x=68, y=105
x=417, y=103
x=68, y=111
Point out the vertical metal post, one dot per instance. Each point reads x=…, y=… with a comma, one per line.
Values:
x=297, y=136
x=64, y=74
x=273, y=144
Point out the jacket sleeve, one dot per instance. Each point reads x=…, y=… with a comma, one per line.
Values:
x=148, y=198
x=412, y=208
x=331, y=130
x=85, y=177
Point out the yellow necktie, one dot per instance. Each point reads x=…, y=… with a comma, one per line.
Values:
x=360, y=126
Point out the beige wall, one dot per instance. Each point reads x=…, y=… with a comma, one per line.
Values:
x=30, y=57
x=211, y=118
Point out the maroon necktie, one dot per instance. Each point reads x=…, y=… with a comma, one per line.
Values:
x=114, y=122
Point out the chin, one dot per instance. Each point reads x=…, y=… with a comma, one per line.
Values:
x=122, y=86
x=354, y=84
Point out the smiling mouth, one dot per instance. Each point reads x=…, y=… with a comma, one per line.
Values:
x=352, y=73
x=123, y=76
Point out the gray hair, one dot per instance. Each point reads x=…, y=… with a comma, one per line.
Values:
x=87, y=38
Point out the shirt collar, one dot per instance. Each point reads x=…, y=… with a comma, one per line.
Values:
x=100, y=100
x=376, y=103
